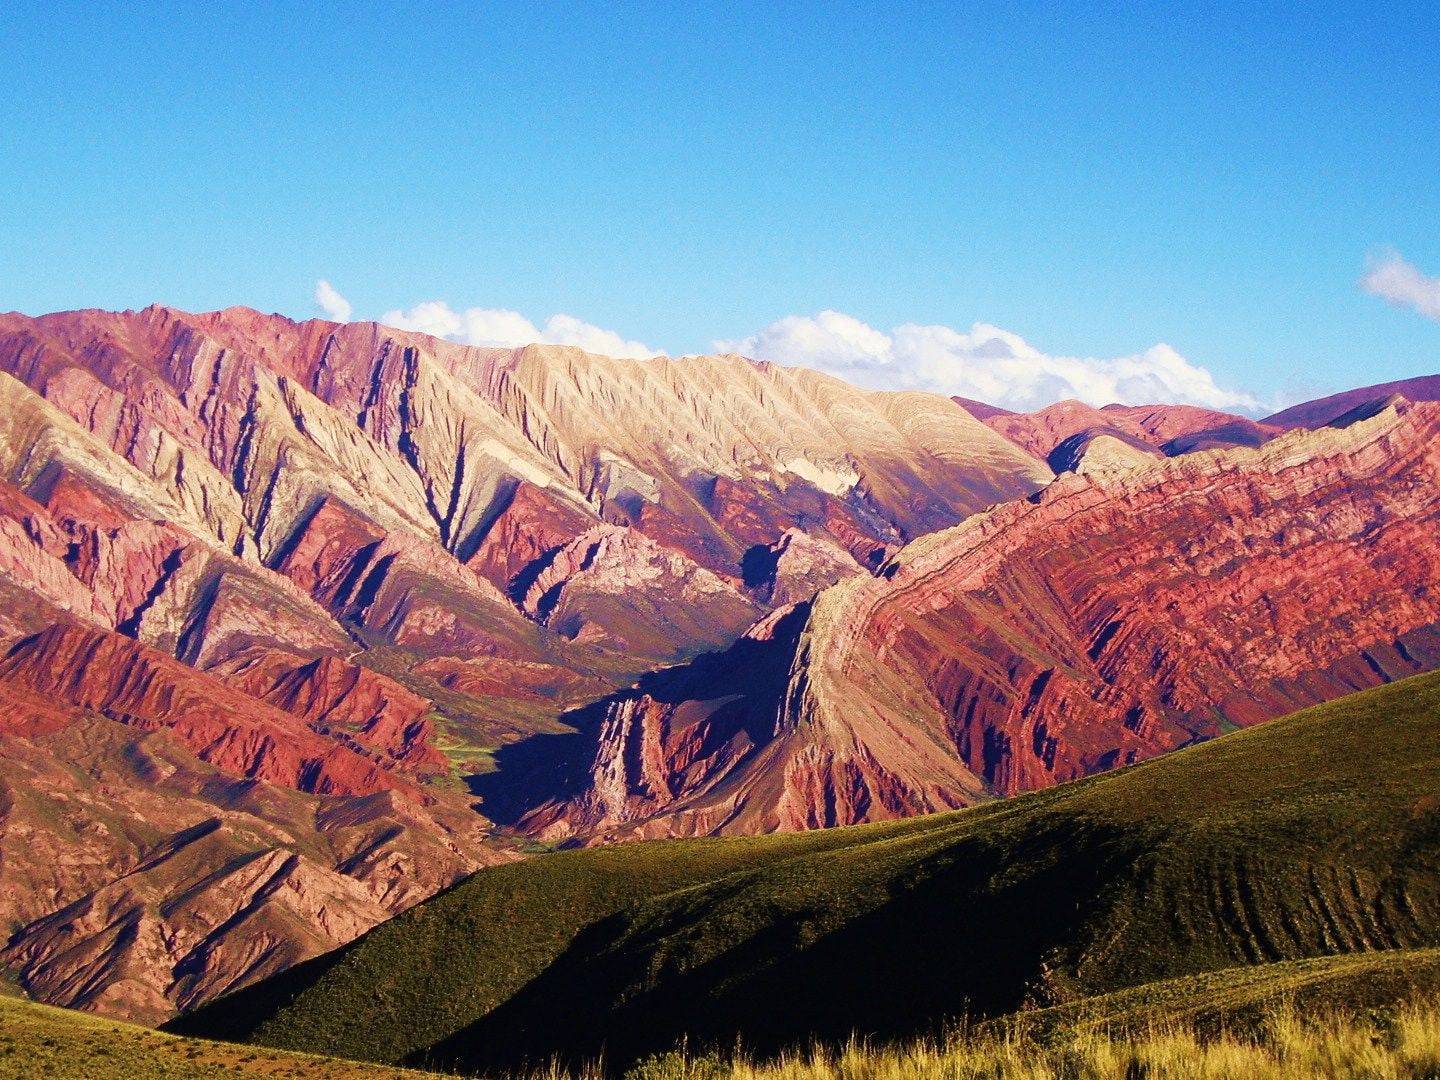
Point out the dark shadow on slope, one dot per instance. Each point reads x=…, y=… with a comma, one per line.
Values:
x=1238, y=433
x=751, y=675
x=758, y=565
x=944, y=939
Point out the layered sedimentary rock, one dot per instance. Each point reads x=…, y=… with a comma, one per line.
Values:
x=1120, y=613
x=103, y=673
x=178, y=882
x=228, y=482
x=615, y=587
x=416, y=488
x=345, y=701
x=445, y=435
x=271, y=591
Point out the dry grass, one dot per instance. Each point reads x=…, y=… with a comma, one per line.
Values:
x=41, y=1043
x=1282, y=1042
x=1285, y=1044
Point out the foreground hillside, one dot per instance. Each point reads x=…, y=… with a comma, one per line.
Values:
x=1313, y=835
x=1287, y=1045
x=1370, y=1014
x=37, y=1041
x=1283, y=1040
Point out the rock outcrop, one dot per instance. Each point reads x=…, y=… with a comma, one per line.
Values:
x=616, y=588
x=796, y=567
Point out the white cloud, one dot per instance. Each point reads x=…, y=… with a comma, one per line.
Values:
x=986, y=363
x=432, y=317
x=1391, y=277
x=508, y=329
x=568, y=330
x=331, y=303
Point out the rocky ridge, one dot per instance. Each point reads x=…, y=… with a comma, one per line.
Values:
x=1060, y=433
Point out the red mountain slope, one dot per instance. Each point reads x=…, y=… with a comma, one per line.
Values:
x=1059, y=433
x=1112, y=617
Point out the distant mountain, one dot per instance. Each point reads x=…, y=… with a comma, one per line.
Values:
x=1322, y=411
x=1058, y=434
x=301, y=623
x=1310, y=836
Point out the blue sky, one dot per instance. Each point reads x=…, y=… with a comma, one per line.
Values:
x=1095, y=184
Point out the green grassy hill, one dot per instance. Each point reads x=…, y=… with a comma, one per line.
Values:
x=37, y=1042
x=1313, y=835
x=1355, y=1014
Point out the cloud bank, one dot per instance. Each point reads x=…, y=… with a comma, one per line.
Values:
x=507, y=329
x=1400, y=282
x=331, y=304
x=985, y=362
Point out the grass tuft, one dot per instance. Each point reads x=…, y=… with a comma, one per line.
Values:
x=1287, y=1043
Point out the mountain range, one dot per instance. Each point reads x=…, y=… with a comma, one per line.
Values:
x=304, y=623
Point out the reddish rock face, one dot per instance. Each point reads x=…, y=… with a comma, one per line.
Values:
x=176, y=882
x=615, y=588
x=1180, y=429
x=346, y=702
x=530, y=526
x=96, y=671
x=1110, y=618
